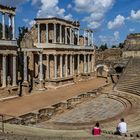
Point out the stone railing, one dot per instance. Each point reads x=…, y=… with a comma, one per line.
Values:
x=8, y=42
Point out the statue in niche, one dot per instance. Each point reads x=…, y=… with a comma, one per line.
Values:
x=8, y=80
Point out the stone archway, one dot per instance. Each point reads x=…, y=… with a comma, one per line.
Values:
x=101, y=70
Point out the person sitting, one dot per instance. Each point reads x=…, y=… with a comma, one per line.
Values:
x=122, y=127
x=96, y=129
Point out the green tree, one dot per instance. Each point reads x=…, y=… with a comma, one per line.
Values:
x=121, y=45
x=114, y=46
x=22, y=31
x=103, y=47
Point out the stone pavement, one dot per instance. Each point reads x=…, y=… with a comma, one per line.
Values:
x=41, y=99
x=98, y=109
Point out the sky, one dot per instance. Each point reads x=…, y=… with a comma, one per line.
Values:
x=111, y=20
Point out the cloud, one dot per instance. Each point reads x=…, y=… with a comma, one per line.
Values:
x=118, y=21
x=96, y=10
x=131, y=29
x=69, y=6
x=28, y=22
x=50, y=8
x=13, y=3
x=110, y=40
x=135, y=15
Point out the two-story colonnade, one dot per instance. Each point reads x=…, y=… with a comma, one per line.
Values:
x=55, y=54
x=8, y=50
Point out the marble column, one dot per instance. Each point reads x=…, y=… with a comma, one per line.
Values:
x=40, y=66
x=13, y=27
x=88, y=63
x=38, y=33
x=47, y=65
x=61, y=66
x=47, y=33
x=70, y=35
x=92, y=38
x=73, y=64
x=14, y=82
x=84, y=37
x=71, y=73
x=55, y=66
x=66, y=65
x=3, y=25
x=25, y=79
x=85, y=65
x=78, y=64
x=88, y=38
x=66, y=35
x=78, y=37
x=93, y=63
x=60, y=34
x=4, y=65
x=54, y=38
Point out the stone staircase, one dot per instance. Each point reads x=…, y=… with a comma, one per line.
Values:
x=130, y=79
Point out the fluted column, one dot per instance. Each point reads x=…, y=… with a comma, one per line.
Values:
x=14, y=82
x=13, y=27
x=54, y=39
x=71, y=73
x=25, y=67
x=85, y=65
x=48, y=70
x=92, y=39
x=88, y=38
x=70, y=35
x=93, y=63
x=3, y=25
x=66, y=35
x=78, y=62
x=38, y=33
x=4, y=64
x=73, y=66
x=40, y=66
x=60, y=34
x=47, y=33
x=55, y=66
x=66, y=65
x=84, y=38
x=88, y=63
x=61, y=66
x=78, y=37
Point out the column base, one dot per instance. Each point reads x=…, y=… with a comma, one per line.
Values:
x=24, y=89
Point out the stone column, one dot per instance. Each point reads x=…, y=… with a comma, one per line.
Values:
x=84, y=38
x=38, y=33
x=3, y=25
x=4, y=64
x=40, y=66
x=88, y=63
x=66, y=35
x=13, y=27
x=66, y=65
x=25, y=79
x=70, y=35
x=71, y=73
x=55, y=66
x=92, y=38
x=14, y=82
x=78, y=62
x=61, y=66
x=54, y=39
x=85, y=65
x=73, y=66
x=78, y=37
x=60, y=34
x=48, y=70
x=88, y=38
x=93, y=63
x=47, y=34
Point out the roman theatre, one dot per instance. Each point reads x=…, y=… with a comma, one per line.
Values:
x=55, y=84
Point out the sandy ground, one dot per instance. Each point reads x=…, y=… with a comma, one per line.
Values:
x=40, y=99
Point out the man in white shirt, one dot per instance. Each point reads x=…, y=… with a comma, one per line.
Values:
x=122, y=127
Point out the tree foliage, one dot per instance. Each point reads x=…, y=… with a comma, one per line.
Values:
x=103, y=47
